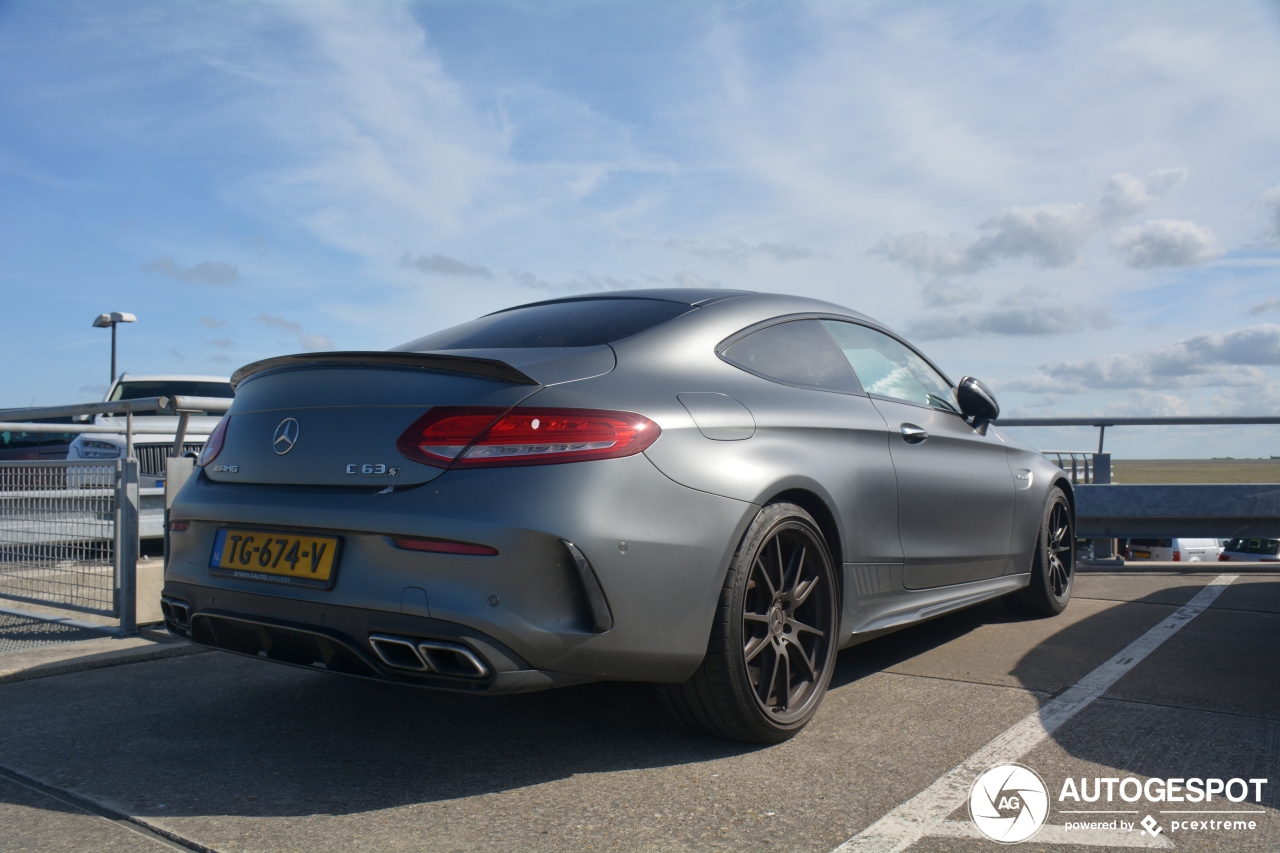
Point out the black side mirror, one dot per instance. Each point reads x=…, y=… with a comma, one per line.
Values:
x=976, y=401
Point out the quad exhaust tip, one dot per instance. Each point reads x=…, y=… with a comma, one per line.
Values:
x=437, y=656
x=175, y=611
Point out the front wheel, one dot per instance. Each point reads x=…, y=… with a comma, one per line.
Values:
x=773, y=642
x=1053, y=568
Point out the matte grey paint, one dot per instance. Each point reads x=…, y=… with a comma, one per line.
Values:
x=719, y=417
x=919, y=529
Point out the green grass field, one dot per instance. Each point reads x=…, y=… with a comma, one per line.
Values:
x=1195, y=470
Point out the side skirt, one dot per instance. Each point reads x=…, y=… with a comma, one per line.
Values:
x=876, y=601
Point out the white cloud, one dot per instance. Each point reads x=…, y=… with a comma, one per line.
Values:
x=941, y=294
x=1271, y=199
x=1126, y=195
x=205, y=272
x=1028, y=312
x=739, y=252
x=1264, y=306
x=1165, y=243
x=688, y=279
x=444, y=265
x=1208, y=359
x=583, y=282
x=1052, y=235
x=277, y=322
x=314, y=343
x=213, y=322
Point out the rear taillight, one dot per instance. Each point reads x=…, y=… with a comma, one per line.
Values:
x=1177, y=556
x=443, y=546
x=472, y=437
x=1223, y=558
x=213, y=446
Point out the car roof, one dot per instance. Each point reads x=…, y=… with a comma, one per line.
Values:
x=681, y=295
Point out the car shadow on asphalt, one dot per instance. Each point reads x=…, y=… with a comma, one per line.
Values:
x=224, y=735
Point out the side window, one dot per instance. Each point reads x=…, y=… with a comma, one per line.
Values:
x=887, y=368
x=798, y=352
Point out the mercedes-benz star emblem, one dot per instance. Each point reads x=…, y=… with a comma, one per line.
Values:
x=286, y=436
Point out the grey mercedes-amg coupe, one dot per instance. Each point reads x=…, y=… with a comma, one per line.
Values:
x=712, y=490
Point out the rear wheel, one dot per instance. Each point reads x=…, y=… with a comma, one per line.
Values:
x=773, y=643
x=1053, y=568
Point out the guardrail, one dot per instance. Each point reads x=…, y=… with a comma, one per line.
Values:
x=181, y=406
x=1103, y=422
x=71, y=548
x=1106, y=512
x=69, y=530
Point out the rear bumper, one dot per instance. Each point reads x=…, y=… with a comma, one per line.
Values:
x=657, y=550
x=337, y=639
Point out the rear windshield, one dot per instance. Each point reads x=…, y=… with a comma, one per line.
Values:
x=21, y=439
x=578, y=323
x=1151, y=543
x=1266, y=547
x=171, y=388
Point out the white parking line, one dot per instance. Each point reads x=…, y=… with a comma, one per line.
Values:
x=926, y=813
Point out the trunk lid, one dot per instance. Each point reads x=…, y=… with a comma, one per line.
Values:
x=348, y=410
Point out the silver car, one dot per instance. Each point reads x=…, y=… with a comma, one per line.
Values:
x=711, y=490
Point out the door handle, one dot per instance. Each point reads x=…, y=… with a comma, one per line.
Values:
x=913, y=434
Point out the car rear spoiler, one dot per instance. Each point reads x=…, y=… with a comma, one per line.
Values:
x=483, y=368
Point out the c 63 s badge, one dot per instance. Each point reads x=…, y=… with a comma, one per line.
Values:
x=372, y=469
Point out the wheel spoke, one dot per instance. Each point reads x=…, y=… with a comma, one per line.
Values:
x=773, y=679
x=782, y=569
x=794, y=567
x=803, y=591
x=800, y=626
x=756, y=617
x=784, y=698
x=808, y=664
x=754, y=647
x=764, y=573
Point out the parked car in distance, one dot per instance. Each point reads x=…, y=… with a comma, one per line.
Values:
x=710, y=490
x=151, y=449
x=1251, y=551
x=20, y=446
x=1173, y=550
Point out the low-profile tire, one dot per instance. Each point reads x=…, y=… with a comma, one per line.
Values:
x=773, y=641
x=1053, y=567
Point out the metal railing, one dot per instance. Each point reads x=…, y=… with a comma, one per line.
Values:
x=1103, y=422
x=1105, y=511
x=69, y=530
x=69, y=536
x=1083, y=466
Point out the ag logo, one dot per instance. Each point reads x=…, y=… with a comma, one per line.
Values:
x=1009, y=803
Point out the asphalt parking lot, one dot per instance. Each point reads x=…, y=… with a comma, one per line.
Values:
x=224, y=753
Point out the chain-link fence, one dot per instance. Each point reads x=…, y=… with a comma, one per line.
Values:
x=59, y=537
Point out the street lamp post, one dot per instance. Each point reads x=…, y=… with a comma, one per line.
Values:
x=104, y=320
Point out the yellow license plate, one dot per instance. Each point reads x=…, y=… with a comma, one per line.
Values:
x=1143, y=554
x=290, y=557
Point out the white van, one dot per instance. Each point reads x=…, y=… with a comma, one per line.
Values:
x=1173, y=550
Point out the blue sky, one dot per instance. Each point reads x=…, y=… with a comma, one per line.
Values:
x=1077, y=202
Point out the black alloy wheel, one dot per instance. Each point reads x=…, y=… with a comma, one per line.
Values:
x=773, y=643
x=1060, y=549
x=785, y=623
x=1053, y=567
